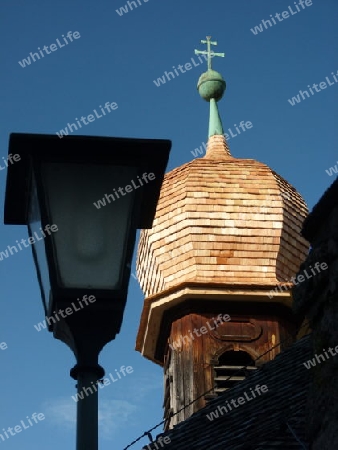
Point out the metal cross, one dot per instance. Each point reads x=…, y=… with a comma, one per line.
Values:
x=209, y=52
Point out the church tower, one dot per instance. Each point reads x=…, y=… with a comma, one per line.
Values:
x=216, y=267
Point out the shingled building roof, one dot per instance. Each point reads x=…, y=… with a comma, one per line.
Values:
x=274, y=420
x=222, y=219
x=321, y=211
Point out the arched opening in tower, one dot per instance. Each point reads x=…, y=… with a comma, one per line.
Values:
x=232, y=367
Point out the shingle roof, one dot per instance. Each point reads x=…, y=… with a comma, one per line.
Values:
x=224, y=220
x=267, y=422
x=321, y=211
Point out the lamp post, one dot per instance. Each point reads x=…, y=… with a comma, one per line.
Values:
x=85, y=247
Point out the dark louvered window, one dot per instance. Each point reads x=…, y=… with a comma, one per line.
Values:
x=228, y=370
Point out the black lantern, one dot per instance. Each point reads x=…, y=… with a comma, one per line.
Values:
x=83, y=198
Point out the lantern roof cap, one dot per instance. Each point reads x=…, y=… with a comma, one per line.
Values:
x=150, y=155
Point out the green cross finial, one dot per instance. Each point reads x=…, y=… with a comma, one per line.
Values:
x=209, y=52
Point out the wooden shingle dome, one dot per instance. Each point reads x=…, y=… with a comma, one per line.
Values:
x=224, y=220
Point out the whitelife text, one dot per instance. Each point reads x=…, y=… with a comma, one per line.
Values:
x=71, y=127
x=203, y=330
x=123, y=372
x=85, y=301
x=49, y=229
x=53, y=47
x=36, y=417
x=146, y=177
x=257, y=391
x=318, y=267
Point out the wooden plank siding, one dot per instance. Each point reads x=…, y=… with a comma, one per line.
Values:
x=193, y=360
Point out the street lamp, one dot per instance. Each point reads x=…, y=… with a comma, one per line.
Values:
x=85, y=246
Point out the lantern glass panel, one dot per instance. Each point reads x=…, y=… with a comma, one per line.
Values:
x=36, y=239
x=93, y=219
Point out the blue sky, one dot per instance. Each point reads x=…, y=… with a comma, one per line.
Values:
x=115, y=59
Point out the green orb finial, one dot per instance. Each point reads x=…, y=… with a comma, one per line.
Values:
x=211, y=85
x=211, y=88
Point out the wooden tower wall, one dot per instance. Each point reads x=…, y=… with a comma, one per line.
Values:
x=188, y=367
